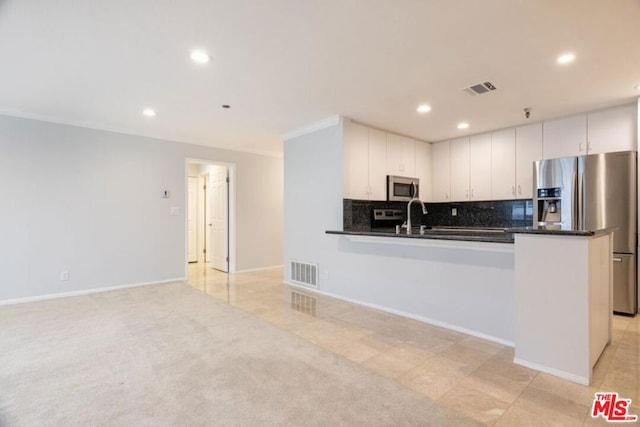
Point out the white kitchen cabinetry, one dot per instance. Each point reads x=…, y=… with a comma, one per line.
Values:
x=503, y=164
x=423, y=170
x=480, y=167
x=377, y=165
x=565, y=137
x=460, y=169
x=613, y=129
x=401, y=155
x=364, y=163
x=528, y=150
x=441, y=172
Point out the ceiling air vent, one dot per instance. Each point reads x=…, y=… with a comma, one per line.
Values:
x=480, y=88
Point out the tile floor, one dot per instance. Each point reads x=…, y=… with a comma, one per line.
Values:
x=474, y=376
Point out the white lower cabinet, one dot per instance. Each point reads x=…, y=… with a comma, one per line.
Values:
x=460, y=169
x=441, y=172
x=480, y=167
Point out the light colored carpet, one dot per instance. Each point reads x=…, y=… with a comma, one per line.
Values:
x=169, y=355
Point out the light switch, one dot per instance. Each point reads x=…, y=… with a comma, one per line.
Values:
x=174, y=211
x=454, y=212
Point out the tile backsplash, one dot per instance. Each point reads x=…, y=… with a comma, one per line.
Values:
x=499, y=213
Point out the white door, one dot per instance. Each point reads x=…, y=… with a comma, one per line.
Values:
x=192, y=220
x=503, y=164
x=377, y=165
x=612, y=130
x=528, y=150
x=206, y=230
x=565, y=137
x=441, y=172
x=480, y=167
x=460, y=169
x=356, y=167
x=219, y=236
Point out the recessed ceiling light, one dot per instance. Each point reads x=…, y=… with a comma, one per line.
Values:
x=463, y=125
x=200, y=56
x=149, y=112
x=566, y=58
x=424, y=108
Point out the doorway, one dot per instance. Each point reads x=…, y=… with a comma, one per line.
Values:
x=210, y=219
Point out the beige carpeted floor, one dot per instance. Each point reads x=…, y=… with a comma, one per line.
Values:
x=169, y=355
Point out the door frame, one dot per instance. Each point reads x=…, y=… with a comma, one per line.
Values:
x=231, y=218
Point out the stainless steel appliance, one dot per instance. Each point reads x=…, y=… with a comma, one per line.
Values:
x=593, y=192
x=402, y=188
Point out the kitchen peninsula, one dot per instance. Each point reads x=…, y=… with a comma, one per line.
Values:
x=561, y=289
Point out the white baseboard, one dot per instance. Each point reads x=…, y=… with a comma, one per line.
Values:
x=86, y=292
x=555, y=372
x=409, y=315
x=251, y=270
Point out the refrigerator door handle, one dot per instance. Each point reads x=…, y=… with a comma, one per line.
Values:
x=580, y=210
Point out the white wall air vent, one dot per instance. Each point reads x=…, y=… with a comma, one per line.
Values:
x=480, y=88
x=304, y=273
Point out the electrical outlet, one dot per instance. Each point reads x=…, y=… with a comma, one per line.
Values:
x=64, y=275
x=174, y=211
x=454, y=212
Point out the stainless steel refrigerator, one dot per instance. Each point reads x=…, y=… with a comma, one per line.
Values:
x=592, y=192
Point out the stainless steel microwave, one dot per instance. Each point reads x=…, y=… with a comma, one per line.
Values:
x=402, y=188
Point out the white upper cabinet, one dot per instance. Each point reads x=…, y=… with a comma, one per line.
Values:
x=528, y=150
x=441, y=172
x=480, y=167
x=460, y=169
x=503, y=164
x=365, y=153
x=613, y=129
x=401, y=155
x=423, y=170
x=565, y=137
x=356, y=161
x=377, y=165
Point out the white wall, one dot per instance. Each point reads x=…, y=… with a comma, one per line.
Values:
x=90, y=203
x=465, y=289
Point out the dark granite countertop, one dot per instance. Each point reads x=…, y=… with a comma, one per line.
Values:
x=560, y=231
x=460, y=234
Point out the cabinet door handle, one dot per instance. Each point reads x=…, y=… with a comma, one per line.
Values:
x=472, y=193
x=466, y=195
x=513, y=190
x=519, y=189
x=446, y=196
x=589, y=147
x=617, y=259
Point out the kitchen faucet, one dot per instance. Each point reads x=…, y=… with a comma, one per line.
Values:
x=414, y=199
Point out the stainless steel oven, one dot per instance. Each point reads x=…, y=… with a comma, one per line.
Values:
x=402, y=188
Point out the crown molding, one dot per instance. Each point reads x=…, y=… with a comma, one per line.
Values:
x=313, y=127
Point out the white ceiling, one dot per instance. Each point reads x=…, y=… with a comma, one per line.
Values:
x=283, y=64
